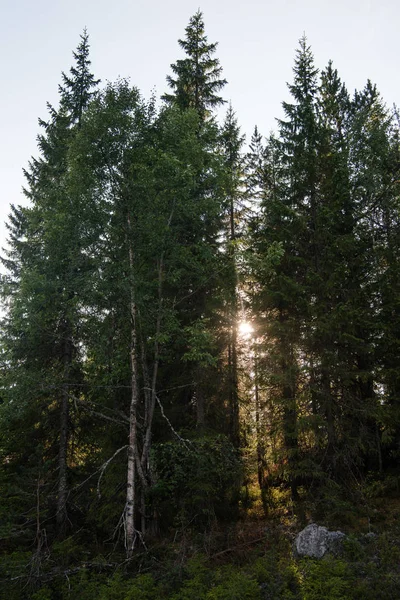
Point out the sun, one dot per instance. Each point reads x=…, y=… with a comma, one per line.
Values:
x=245, y=329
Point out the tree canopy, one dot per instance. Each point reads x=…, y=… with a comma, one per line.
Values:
x=133, y=403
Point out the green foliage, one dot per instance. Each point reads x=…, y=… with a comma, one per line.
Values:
x=277, y=574
x=336, y=504
x=231, y=585
x=198, y=479
x=320, y=299
x=368, y=570
x=388, y=486
x=198, y=580
x=84, y=585
x=76, y=88
x=199, y=341
x=389, y=550
x=141, y=587
x=198, y=76
x=353, y=549
x=44, y=593
x=328, y=578
x=13, y=563
x=125, y=281
x=204, y=583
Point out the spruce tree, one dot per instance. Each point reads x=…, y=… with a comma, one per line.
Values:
x=76, y=91
x=295, y=226
x=374, y=178
x=232, y=142
x=195, y=87
x=49, y=265
x=196, y=79
x=254, y=170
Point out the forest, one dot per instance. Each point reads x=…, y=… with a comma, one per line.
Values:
x=200, y=342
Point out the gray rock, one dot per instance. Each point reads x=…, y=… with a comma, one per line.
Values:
x=315, y=541
x=335, y=542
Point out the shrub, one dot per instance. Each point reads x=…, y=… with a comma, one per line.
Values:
x=327, y=578
x=234, y=586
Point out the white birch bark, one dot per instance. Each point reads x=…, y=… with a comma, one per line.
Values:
x=132, y=443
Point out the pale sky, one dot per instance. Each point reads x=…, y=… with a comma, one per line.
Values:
x=137, y=39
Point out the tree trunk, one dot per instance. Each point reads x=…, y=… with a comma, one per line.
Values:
x=233, y=362
x=64, y=432
x=330, y=420
x=200, y=400
x=261, y=465
x=288, y=368
x=130, y=506
x=144, y=469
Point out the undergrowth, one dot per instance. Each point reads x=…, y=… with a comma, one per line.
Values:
x=250, y=559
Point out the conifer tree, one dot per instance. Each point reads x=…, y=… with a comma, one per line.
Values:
x=76, y=90
x=254, y=169
x=197, y=78
x=195, y=87
x=47, y=257
x=374, y=190
x=333, y=247
x=232, y=142
x=295, y=227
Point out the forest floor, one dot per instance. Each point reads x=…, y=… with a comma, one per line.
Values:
x=251, y=558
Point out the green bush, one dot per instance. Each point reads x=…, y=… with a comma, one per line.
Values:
x=44, y=593
x=143, y=587
x=326, y=579
x=234, y=585
x=198, y=580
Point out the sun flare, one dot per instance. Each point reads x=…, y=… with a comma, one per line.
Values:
x=245, y=329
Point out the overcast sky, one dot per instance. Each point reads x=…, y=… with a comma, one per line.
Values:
x=138, y=39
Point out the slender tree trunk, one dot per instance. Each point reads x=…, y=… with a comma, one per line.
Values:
x=64, y=432
x=132, y=445
x=260, y=445
x=153, y=389
x=233, y=366
x=139, y=465
x=151, y=392
x=290, y=436
x=234, y=392
x=200, y=400
x=329, y=416
x=199, y=374
x=151, y=396
x=62, y=463
x=289, y=410
x=130, y=506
